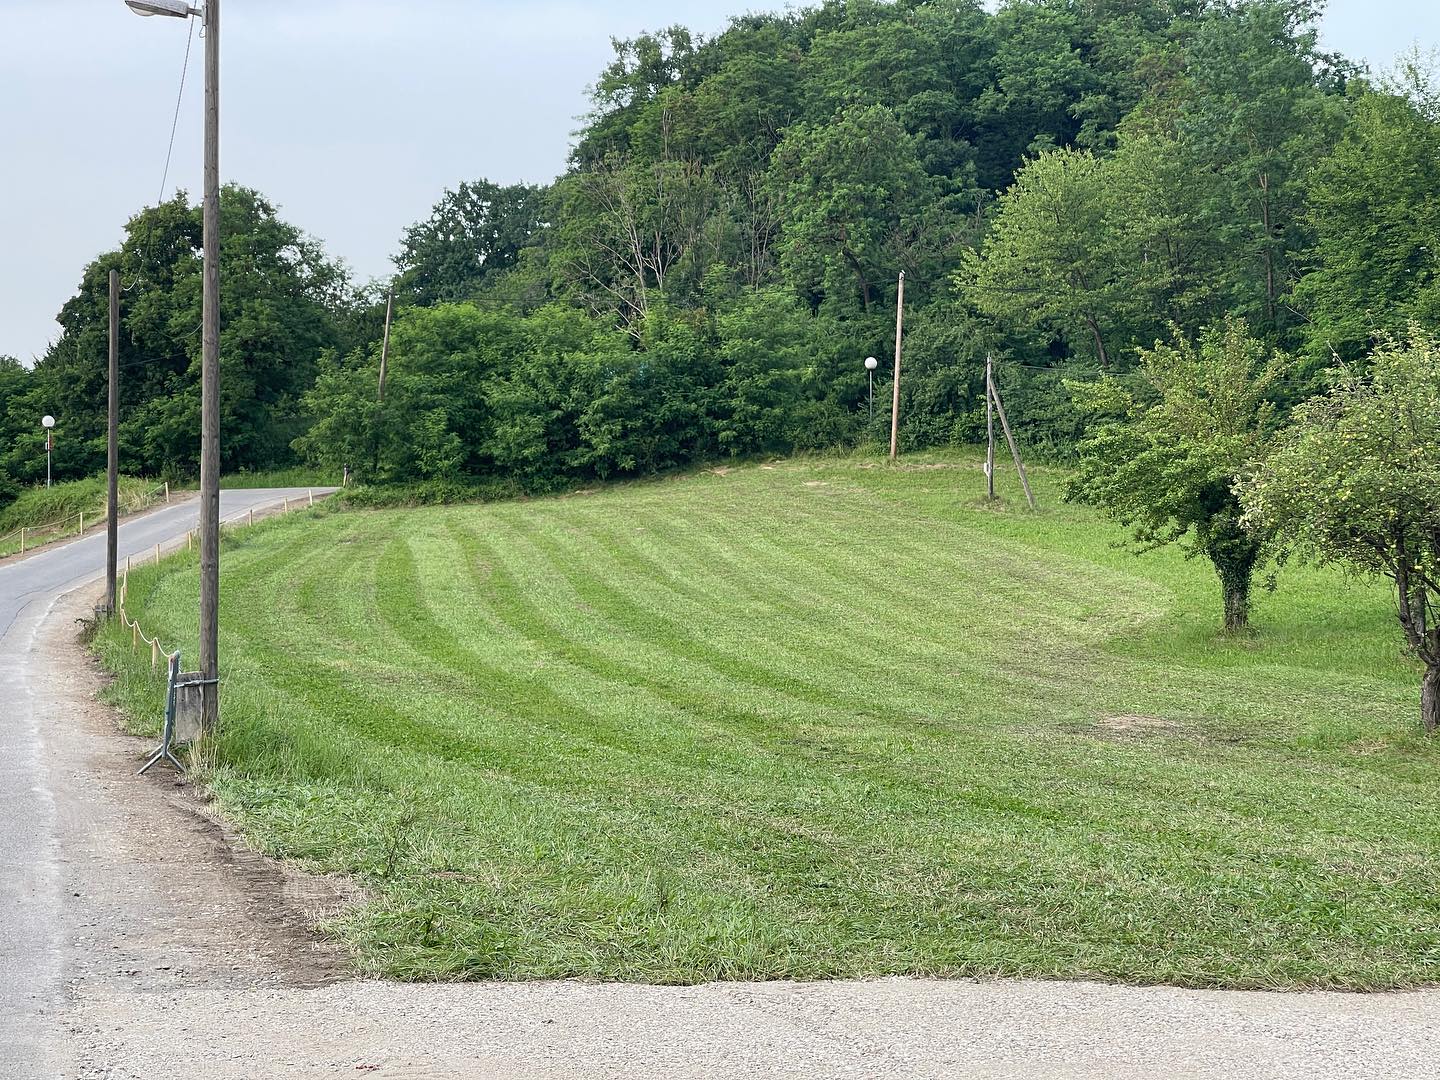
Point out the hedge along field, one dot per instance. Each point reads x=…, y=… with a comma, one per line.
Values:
x=811, y=719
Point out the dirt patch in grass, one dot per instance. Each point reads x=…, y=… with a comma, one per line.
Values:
x=1131, y=726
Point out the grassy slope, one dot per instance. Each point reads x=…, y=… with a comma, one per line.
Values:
x=818, y=719
x=299, y=476
x=63, y=502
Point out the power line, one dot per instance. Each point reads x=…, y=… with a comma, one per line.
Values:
x=175, y=123
x=169, y=155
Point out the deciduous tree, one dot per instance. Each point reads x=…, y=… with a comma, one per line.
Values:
x=1170, y=444
x=1356, y=482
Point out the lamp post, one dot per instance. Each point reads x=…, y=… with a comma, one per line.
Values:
x=210, y=355
x=870, y=365
x=48, y=423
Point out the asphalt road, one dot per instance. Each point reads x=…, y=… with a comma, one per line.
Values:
x=33, y=921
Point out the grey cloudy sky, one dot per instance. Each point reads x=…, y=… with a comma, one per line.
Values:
x=353, y=115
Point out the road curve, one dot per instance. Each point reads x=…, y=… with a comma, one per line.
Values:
x=33, y=921
x=60, y=568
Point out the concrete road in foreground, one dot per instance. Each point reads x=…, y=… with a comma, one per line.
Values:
x=139, y=940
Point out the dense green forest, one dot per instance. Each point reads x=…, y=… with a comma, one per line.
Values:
x=1063, y=183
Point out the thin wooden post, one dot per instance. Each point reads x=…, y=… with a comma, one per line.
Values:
x=134, y=635
x=251, y=516
x=167, y=492
x=154, y=654
x=22, y=539
x=312, y=496
x=385, y=346
x=112, y=448
x=157, y=554
x=1014, y=450
x=895, y=398
x=208, y=653
x=82, y=522
x=989, y=428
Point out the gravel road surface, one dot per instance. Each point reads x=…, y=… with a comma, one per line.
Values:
x=139, y=939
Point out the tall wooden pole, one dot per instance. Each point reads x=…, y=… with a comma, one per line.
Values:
x=385, y=347
x=895, y=398
x=210, y=387
x=989, y=428
x=112, y=458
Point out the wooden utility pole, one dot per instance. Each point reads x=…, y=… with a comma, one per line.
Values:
x=210, y=388
x=1014, y=450
x=112, y=458
x=895, y=399
x=989, y=427
x=385, y=347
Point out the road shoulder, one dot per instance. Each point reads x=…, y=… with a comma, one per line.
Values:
x=163, y=900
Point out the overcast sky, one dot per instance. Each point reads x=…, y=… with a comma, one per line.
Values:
x=353, y=115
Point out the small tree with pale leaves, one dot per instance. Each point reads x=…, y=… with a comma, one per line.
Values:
x=1356, y=482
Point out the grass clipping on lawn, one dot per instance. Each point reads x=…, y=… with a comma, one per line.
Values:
x=817, y=719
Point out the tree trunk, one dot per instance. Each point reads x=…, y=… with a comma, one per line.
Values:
x=1235, y=574
x=854, y=262
x=1099, y=344
x=1430, y=699
x=1237, y=604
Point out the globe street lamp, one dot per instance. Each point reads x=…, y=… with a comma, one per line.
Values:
x=870, y=365
x=210, y=355
x=48, y=423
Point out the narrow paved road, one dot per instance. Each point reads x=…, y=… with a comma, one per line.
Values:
x=34, y=923
x=139, y=941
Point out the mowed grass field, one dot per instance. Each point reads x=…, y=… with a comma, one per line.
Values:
x=814, y=719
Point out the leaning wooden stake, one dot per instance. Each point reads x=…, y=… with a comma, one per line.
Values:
x=1014, y=450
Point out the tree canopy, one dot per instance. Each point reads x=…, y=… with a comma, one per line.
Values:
x=1061, y=181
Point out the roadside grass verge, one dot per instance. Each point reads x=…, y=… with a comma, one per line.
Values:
x=59, y=503
x=815, y=719
x=297, y=477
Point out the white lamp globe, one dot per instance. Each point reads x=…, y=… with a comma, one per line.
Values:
x=871, y=363
x=47, y=421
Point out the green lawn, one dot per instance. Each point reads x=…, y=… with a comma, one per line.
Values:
x=821, y=718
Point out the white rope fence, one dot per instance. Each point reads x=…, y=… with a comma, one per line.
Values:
x=138, y=635
x=175, y=726
x=59, y=529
